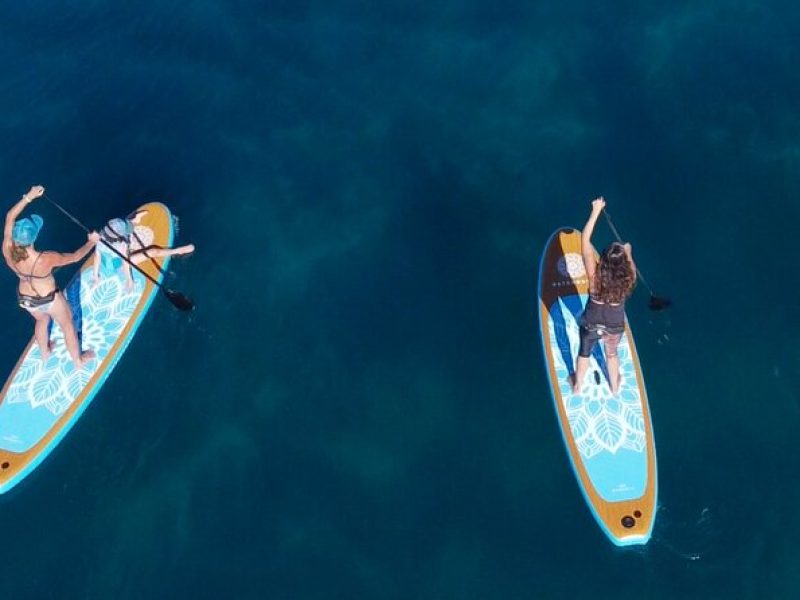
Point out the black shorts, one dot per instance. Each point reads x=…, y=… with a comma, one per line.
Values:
x=591, y=335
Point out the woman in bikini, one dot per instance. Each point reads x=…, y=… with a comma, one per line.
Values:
x=121, y=235
x=37, y=292
x=611, y=281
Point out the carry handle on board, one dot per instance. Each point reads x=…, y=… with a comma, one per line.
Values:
x=178, y=300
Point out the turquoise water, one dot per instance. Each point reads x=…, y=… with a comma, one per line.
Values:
x=358, y=406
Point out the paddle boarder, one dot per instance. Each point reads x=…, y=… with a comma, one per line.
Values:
x=121, y=235
x=611, y=281
x=37, y=292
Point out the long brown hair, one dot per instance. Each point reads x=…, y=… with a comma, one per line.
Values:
x=615, y=278
x=18, y=253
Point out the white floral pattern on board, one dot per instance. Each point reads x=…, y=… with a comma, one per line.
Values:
x=599, y=421
x=101, y=315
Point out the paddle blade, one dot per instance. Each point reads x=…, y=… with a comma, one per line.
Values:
x=178, y=300
x=657, y=303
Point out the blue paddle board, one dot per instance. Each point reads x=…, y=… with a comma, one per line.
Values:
x=609, y=439
x=41, y=401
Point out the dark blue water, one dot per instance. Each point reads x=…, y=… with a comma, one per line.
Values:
x=358, y=406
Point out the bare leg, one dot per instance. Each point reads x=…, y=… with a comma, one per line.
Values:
x=581, y=366
x=40, y=332
x=63, y=316
x=611, y=342
x=140, y=256
x=613, y=373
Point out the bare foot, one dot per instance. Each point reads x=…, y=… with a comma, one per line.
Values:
x=615, y=385
x=573, y=384
x=85, y=357
x=187, y=249
x=46, y=353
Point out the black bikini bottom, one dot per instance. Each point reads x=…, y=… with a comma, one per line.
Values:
x=26, y=301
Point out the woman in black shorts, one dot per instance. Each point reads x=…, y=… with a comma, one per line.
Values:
x=611, y=281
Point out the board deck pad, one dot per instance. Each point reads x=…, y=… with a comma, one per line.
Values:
x=42, y=400
x=609, y=438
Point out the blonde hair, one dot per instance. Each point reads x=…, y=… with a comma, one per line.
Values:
x=19, y=253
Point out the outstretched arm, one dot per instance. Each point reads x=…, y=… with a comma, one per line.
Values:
x=629, y=254
x=12, y=215
x=59, y=259
x=96, y=266
x=587, y=250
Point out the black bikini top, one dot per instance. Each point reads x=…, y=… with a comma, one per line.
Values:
x=29, y=277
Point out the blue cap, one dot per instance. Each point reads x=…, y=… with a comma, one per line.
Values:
x=25, y=230
x=116, y=229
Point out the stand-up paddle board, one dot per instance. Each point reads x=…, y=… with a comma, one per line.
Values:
x=609, y=438
x=41, y=401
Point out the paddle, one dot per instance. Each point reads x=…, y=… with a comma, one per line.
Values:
x=178, y=300
x=656, y=302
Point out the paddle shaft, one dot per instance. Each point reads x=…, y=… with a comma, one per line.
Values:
x=619, y=239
